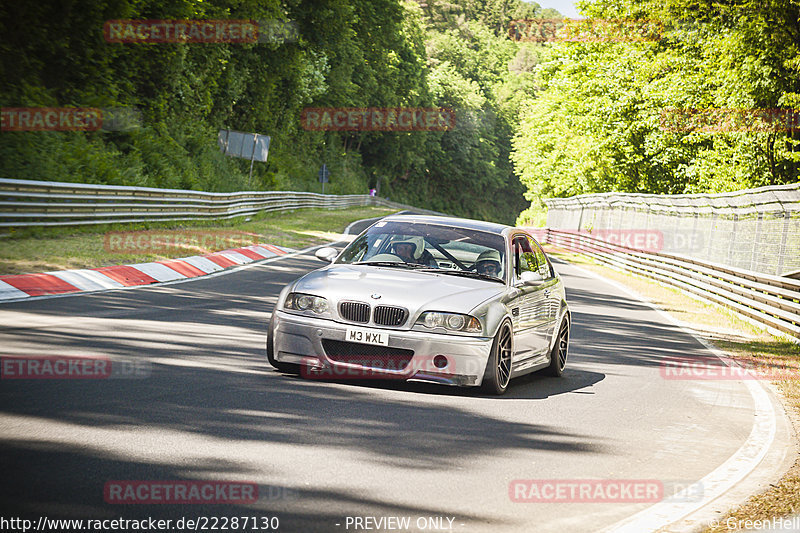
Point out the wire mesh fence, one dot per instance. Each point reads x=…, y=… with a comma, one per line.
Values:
x=756, y=229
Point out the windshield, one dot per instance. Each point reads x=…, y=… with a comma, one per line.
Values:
x=445, y=249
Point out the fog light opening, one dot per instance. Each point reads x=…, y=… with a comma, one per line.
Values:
x=440, y=361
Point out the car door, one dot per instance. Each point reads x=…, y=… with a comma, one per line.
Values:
x=552, y=298
x=528, y=307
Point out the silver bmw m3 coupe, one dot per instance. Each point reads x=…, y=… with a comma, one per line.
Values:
x=439, y=299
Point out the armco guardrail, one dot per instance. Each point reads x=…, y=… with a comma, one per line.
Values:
x=755, y=229
x=771, y=300
x=47, y=203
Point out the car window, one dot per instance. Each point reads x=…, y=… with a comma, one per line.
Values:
x=356, y=250
x=524, y=257
x=541, y=259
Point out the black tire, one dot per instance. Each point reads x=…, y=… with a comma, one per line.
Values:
x=288, y=368
x=498, y=367
x=558, y=355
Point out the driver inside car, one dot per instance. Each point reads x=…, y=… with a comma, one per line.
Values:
x=488, y=263
x=412, y=250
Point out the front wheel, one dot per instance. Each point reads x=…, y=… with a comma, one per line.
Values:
x=558, y=355
x=289, y=368
x=498, y=368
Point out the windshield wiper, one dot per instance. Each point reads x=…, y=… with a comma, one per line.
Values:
x=465, y=273
x=391, y=264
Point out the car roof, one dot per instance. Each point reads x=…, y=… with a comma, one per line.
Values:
x=467, y=223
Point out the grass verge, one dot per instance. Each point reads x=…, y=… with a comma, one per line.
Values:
x=750, y=346
x=62, y=249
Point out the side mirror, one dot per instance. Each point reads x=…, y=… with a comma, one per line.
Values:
x=327, y=254
x=530, y=278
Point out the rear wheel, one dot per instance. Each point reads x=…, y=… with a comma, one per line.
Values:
x=289, y=368
x=498, y=368
x=558, y=355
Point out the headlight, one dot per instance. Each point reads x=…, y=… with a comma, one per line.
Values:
x=296, y=301
x=450, y=321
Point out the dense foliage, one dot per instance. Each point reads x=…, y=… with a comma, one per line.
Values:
x=349, y=53
x=601, y=120
x=555, y=118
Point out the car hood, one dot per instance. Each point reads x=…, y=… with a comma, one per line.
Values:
x=416, y=291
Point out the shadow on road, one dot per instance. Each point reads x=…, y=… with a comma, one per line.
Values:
x=209, y=378
x=536, y=386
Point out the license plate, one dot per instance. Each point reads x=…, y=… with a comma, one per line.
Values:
x=366, y=336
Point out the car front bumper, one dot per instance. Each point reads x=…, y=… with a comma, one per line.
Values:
x=298, y=339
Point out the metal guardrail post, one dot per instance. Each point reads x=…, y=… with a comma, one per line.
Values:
x=731, y=241
x=754, y=252
x=712, y=229
x=784, y=235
